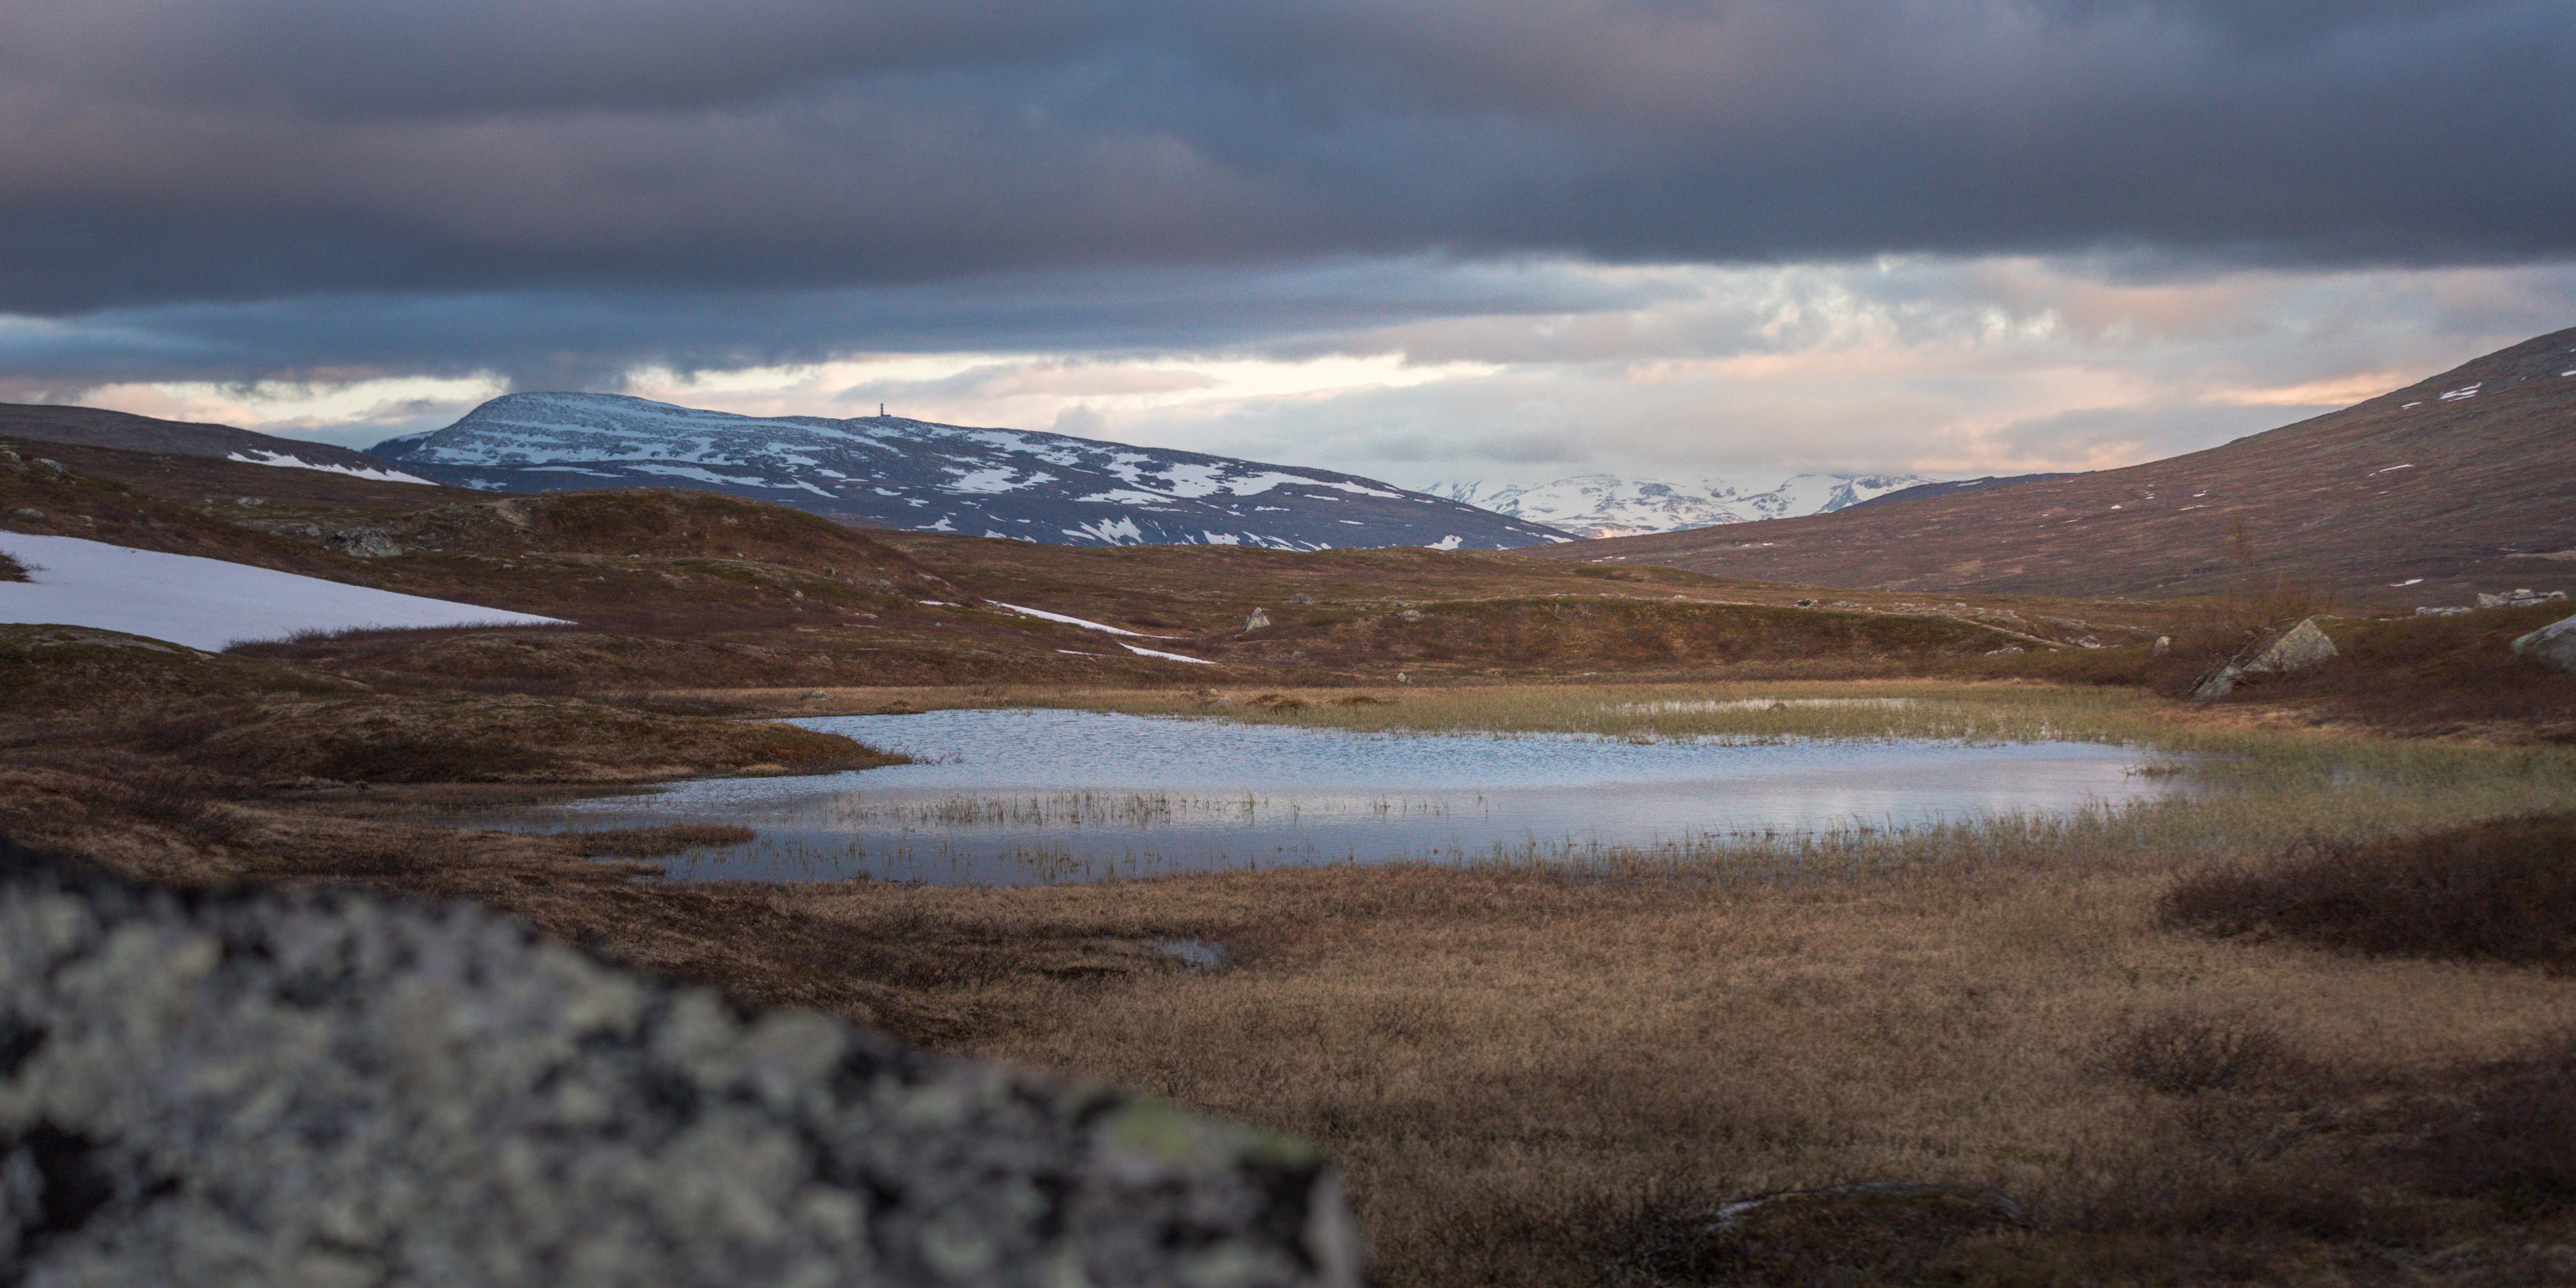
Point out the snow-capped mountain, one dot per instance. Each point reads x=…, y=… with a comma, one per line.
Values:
x=893, y=472
x=1605, y=505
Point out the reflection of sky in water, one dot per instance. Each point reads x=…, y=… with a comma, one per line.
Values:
x=1021, y=796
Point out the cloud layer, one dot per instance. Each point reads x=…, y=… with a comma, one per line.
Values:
x=192, y=149
x=1986, y=232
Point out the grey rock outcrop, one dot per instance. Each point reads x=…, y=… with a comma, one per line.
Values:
x=363, y=543
x=2296, y=649
x=326, y=1089
x=2554, y=644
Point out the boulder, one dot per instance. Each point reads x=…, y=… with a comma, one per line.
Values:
x=325, y=1088
x=363, y=543
x=2297, y=648
x=2554, y=644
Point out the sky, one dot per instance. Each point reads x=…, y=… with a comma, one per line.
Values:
x=1507, y=240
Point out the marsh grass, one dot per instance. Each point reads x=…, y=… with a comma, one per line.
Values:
x=1551, y=1073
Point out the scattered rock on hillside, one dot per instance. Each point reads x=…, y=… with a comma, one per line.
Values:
x=328, y=1089
x=363, y=543
x=2519, y=597
x=2554, y=644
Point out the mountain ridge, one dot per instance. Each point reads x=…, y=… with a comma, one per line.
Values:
x=2458, y=484
x=1607, y=505
x=922, y=476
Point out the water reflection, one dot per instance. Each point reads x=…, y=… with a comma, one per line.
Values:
x=1009, y=797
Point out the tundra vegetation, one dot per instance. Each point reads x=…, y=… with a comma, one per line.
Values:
x=2315, y=1025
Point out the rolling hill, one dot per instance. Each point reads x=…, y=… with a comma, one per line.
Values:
x=890, y=472
x=2455, y=485
x=99, y=427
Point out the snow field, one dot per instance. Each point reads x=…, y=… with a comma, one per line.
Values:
x=206, y=603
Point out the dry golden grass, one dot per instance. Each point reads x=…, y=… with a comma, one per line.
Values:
x=1547, y=1076
x=1525, y=1075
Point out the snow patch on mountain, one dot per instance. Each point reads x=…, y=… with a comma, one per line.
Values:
x=1607, y=505
x=288, y=460
x=925, y=477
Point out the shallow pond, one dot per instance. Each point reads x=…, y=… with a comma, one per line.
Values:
x=1011, y=797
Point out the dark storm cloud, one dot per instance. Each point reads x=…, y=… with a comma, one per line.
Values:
x=585, y=339
x=669, y=154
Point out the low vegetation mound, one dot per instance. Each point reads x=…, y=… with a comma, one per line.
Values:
x=1613, y=634
x=11, y=569
x=647, y=523
x=2500, y=891
x=51, y=669
x=2412, y=675
x=490, y=740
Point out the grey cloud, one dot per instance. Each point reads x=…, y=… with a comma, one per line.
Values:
x=587, y=339
x=2136, y=433
x=654, y=180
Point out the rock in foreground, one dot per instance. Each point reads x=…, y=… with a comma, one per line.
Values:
x=327, y=1089
x=2554, y=644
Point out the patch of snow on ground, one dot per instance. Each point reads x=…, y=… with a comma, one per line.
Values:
x=1168, y=657
x=994, y=479
x=207, y=603
x=708, y=476
x=1044, y=615
x=1113, y=531
x=291, y=461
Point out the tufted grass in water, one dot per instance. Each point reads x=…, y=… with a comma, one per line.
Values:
x=2261, y=787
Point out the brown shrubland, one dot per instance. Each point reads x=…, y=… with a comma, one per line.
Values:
x=1967, y=1055
x=2499, y=891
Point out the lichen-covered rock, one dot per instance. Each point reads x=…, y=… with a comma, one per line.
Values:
x=2295, y=649
x=363, y=543
x=2554, y=644
x=327, y=1089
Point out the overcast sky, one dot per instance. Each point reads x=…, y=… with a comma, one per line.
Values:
x=1425, y=239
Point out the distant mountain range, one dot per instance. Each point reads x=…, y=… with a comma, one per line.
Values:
x=1606, y=505
x=889, y=471
x=1926, y=491
x=2431, y=495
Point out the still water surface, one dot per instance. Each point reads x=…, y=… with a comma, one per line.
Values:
x=1010, y=797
